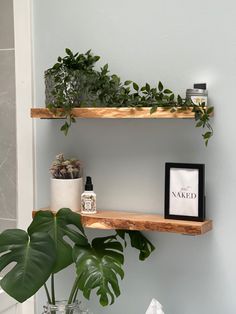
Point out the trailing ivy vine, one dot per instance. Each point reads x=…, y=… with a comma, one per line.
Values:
x=75, y=82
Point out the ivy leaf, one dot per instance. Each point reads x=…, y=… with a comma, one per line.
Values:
x=179, y=100
x=210, y=110
x=96, y=58
x=135, y=86
x=167, y=91
x=207, y=135
x=127, y=82
x=199, y=124
x=72, y=119
x=153, y=109
x=172, y=96
x=105, y=67
x=160, y=86
x=56, y=66
x=148, y=88
x=69, y=52
x=65, y=128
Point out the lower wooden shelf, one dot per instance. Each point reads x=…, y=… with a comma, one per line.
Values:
x=109, y=219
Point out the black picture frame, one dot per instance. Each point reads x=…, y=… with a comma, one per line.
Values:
x=185, y=191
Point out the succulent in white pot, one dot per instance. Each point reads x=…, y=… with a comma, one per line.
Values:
x=66, y=183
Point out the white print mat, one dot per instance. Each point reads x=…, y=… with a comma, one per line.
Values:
x=184, y=192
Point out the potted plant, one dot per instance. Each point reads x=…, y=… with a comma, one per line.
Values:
x=66, y=183
x=53, y=242
x=74, y=81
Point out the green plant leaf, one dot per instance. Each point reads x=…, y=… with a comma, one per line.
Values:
x=160, y=86
x=207, y=135
x=167, y=91
x=65, y=128
x=135, y=86
x=64, y=224
x=153, y=109
x=210, y=110
x=172, y=96
x=148, y=88
x=139, y=242
x=179, y=100
x=35, y=257
x=69, y=52
x=98, y=267
x=199, y=124
x=74, y=82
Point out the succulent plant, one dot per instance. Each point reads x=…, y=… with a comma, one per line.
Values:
x=62, y=168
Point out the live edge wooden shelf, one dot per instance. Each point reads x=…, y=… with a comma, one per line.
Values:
x=116, y=113
x=108, y=220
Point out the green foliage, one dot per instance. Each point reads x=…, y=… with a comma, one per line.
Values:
x=52, y=243
x=58, y=226
x=202, y=118
x=75, y=82
x=34, y=256
x=98, y=266
x=139, y=242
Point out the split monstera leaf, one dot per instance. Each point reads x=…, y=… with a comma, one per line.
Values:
x=53, y=242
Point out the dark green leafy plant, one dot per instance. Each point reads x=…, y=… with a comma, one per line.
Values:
x=75, y=82
x=53, y=242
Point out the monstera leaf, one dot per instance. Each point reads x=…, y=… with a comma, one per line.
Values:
x=139, y=242
x=98, y=267
x=64, y=224
x=34, y=256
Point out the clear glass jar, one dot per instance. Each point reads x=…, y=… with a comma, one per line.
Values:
x=61, y=307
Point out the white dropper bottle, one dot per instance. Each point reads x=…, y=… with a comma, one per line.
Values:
x=88, y=198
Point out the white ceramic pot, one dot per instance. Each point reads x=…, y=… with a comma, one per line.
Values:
x=66, y=193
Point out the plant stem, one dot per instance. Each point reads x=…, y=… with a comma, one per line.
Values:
x=75, y=294
x=53, y=289
x=47, y=293
x=74, y=290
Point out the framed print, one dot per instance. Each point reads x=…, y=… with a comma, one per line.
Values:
x=185, y=191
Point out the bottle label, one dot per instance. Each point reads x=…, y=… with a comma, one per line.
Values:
x=87, y=205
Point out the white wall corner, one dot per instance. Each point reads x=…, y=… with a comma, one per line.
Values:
x=24, y=124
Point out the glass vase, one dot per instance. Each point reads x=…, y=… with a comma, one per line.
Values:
x=61, y=307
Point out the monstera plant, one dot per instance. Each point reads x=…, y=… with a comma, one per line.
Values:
x=53, y=242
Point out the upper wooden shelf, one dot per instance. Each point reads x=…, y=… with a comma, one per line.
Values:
x=124, y=113
x=108, y=220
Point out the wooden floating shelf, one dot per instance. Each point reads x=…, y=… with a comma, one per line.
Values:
x=115, y=113
x=109, y=220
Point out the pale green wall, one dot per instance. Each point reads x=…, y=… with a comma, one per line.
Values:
x=178, y=42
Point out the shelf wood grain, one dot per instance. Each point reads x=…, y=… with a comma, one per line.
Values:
x=109, y=220
x=115, y=113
